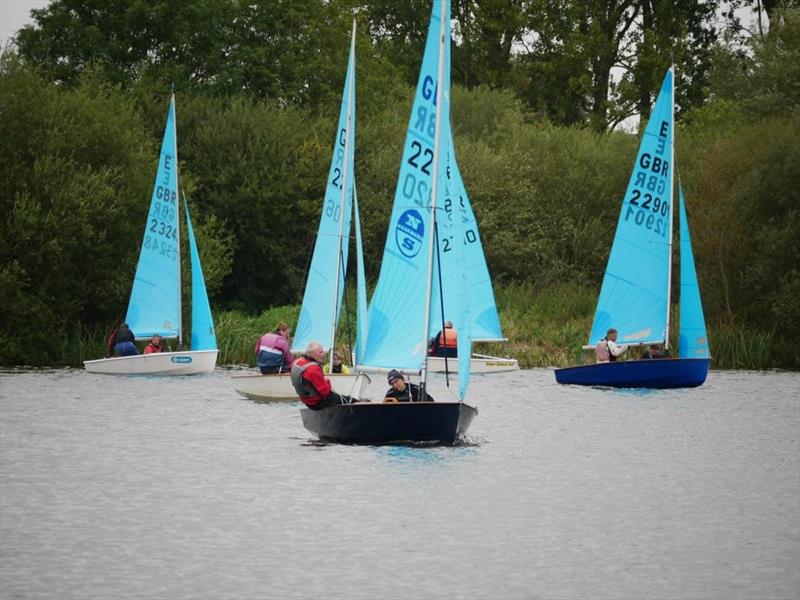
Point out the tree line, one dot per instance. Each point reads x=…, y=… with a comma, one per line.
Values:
x=84, y=93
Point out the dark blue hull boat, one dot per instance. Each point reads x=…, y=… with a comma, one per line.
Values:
x=378, y=423
x=659, y=373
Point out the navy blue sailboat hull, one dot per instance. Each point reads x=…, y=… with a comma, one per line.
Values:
x=659, y=373
x=378, y=423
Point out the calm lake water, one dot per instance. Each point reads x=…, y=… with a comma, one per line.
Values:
x=130, y=487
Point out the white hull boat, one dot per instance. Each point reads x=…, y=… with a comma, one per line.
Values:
x=278, y=387
x=155, y=306
x=161, y=363
x=479, y=363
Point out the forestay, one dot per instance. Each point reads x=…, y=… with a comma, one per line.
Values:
x=635, y=292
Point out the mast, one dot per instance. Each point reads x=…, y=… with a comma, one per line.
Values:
x=671, y=200
x=434, y=190
x=177, y=221
x=343, y=195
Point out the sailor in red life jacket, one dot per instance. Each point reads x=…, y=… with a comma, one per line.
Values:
x=311, y=384
x=445, y=343
x=154, y=346
x=607, y=349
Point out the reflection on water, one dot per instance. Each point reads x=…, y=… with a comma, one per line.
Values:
x=147, y=487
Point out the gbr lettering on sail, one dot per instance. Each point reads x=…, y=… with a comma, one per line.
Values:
x=648, y=202
x=161, y=235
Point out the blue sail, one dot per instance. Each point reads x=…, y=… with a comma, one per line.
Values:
x=458, y=279
x=361, y=286
x=635, y=292
x=154, y=306
x=203, y=336
x=397, y=336
x=693, y=339
x=484, y=319
x=322, y=299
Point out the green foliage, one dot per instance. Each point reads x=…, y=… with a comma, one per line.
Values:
x=736, y=348
x=547, y=198
x=237, y=333
x=258, y=172
x=288, y=50
x=72, y=168
x=546, y=326
x=77, y=173
x=256, y=121
x=744, y=203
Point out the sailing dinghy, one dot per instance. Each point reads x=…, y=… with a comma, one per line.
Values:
x=634, y=298
x=155, y=301
x=399, y=319
x=322, y=301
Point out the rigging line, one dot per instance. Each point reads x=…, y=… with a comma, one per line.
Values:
x=441, y=298
x=348, y=328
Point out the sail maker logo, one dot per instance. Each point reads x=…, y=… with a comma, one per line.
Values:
x=409, y=233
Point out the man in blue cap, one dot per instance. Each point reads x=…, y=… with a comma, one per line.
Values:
x=402, y=391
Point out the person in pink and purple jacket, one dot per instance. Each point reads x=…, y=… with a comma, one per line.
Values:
x=272, y=351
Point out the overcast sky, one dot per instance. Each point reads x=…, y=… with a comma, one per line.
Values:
x=14, y=14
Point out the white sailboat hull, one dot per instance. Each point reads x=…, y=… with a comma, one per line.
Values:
x=478, y=364
x=161, y=363
x=278, y=387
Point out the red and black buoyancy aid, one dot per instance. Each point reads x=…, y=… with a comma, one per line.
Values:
x=307, y=392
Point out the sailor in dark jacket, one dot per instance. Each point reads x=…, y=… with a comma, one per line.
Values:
x=402, y=391
x=123, y=342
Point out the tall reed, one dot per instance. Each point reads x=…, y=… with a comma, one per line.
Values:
x=237, y=333
x=733, y=348
x=545, y=326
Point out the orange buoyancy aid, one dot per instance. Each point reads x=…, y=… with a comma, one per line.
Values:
x=448, y=338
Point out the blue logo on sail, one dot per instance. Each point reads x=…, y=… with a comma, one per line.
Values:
x=409, y=233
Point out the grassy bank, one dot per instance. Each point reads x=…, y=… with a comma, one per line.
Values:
x=545, y=328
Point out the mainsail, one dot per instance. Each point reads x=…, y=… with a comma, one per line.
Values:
x=403, y=306
x=155, y=302
x=634, y=298
x=322, y=300
x=693, y=339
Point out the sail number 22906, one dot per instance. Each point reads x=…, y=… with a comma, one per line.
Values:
x=645, y=205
